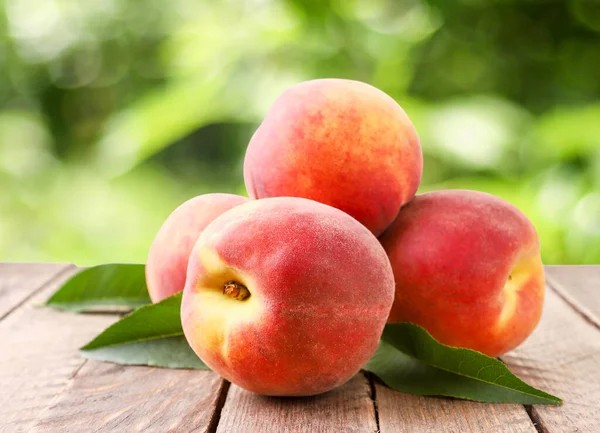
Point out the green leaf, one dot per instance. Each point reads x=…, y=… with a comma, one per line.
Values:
x=109, y=285
x=170, y=352
x=151, y=335
x=409, y=359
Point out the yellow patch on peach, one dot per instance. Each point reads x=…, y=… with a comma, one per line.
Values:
x=226, y=313
x=509, y=297
x=520, y=275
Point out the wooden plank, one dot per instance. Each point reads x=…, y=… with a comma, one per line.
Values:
x=562, y=357
x=18, y=281
x=39, y=355
x=579, y=286
x=399, y=413
x=107, y=398
x=346, y=409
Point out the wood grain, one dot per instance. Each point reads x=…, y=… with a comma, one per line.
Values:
x=39, y=355
x=399, y=413
x=18, y=281
x=346, y=409
x=46, y=387
x=579, y=286
x=108, y=398
x=562, y=357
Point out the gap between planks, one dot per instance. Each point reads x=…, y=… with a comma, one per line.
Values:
x=216, y=416
x=371, y=378
x=53, y=271
x=536, y=419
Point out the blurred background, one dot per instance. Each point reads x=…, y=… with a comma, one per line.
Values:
x=113, y=112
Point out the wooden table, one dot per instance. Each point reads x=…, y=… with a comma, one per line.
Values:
x=46, y=387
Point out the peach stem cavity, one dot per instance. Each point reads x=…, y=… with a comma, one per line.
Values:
x=235, y=290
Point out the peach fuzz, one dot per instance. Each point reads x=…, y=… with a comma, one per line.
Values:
x=170, y=251
x=340, y=142
x=468, y=269
x=286, y=296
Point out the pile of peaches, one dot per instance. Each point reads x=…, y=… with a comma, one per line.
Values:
x=288, y=292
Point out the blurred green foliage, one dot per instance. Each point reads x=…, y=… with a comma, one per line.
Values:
x=112, y=112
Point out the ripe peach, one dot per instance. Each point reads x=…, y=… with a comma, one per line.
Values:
x=286, y=296
x=170, y=251
x=340, y=142
x=468, y=269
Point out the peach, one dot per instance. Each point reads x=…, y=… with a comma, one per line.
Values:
x=468, y=269
x=340, y=142
x=170, y=251
x=286, y=296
